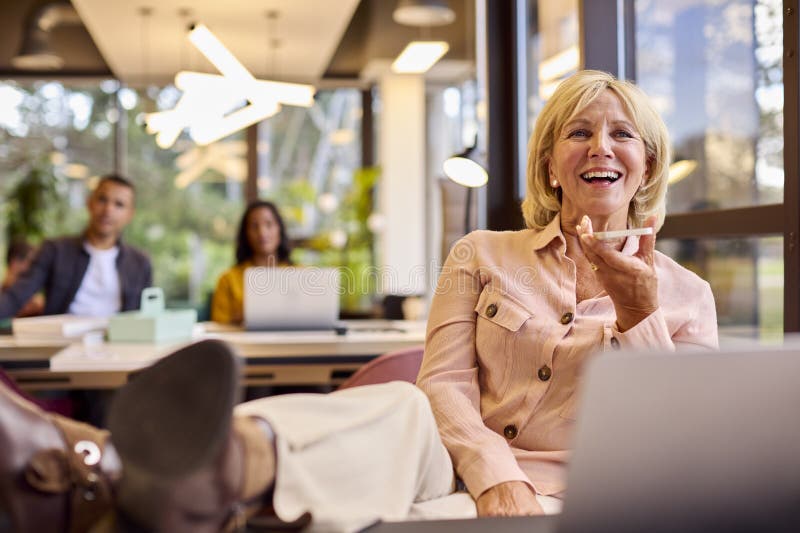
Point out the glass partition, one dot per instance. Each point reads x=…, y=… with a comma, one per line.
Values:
x=189, y=197
x=714, y=70
x=189, y=200
x=193, y=196
x=746, y=277
x=553, y=53
x=54, y=138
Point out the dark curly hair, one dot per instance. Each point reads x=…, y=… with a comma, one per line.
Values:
x=243, y=249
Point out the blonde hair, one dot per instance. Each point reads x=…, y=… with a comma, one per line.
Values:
x=542, y=202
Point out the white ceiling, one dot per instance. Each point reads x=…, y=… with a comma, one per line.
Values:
x=141, y=51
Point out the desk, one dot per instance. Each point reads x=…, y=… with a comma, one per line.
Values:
x=271, y=358
x=500, y=524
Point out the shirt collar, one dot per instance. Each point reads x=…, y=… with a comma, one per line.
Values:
x=549, y=233
x=553, y=231
x=84, y=238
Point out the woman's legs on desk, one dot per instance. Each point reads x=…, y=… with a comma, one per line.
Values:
x=355, y=456
x=348, y=458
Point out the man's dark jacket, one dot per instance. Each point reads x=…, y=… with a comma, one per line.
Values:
x=59, y=267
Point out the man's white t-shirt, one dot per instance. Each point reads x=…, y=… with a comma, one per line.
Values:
x=99, y=293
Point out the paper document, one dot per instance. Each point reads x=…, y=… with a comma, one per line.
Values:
x=53, y=327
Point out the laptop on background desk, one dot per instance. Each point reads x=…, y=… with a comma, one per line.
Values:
x=291, y=298
x=678, y=443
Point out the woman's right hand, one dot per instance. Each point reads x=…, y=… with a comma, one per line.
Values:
x=511, y=498
x=629, y=280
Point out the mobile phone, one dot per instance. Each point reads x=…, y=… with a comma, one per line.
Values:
x=605, y=235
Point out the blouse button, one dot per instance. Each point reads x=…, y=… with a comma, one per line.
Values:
x=566, y=318
x=614, y=343
x=491, y=310
x=545, y=373
x=510, y=431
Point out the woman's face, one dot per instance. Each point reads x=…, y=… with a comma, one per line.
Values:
x=599, y=162
x=263, y=231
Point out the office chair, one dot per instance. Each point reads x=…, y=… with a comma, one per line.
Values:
x=61, y=405
x=399, y=365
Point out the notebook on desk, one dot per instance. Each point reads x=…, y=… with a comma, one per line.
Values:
x=706, y=442
x=291, y=298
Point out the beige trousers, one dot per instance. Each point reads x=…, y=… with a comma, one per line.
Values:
x=360, y=455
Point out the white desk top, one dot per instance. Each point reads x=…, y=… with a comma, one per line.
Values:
x=363, y=338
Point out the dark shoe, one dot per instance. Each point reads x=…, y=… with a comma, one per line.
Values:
x=55, y=474
x=187, y=464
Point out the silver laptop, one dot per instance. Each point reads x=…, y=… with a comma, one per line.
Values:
x=678, y=443
x=688, y=442
x=291, y=298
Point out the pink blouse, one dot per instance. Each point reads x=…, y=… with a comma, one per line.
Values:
x=506, y=342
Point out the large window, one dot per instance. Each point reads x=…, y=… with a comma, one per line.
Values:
x=310, y=165
x=189, y=199
x=714, y=70
x=553, y=51
x=57, y=138
x=552, y=54
x=746, y=277
x=308, y=159
x=54, y=139
x=452, y=126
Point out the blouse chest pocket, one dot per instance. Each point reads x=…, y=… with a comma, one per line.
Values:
x=498, y=323
x=501, y=310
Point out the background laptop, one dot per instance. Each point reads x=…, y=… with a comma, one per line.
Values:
x=677, y=443
x=291, y=298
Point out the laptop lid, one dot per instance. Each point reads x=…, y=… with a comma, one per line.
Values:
x=291, y=298
x=687, y=442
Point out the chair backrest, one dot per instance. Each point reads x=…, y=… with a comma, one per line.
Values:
x=9, y=382
x=61, y=405
x=400, y=365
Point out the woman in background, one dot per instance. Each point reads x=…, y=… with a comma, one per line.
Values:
x=261, y=241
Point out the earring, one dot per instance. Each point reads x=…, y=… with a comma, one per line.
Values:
x=554, y=183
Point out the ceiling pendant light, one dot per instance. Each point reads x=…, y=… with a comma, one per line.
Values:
x=207, y=132
x=261, y=104
x=36, y=51
x=211, y=105
x=295, y=94
x=219, y=56
x=419, y=56
x=423, y=13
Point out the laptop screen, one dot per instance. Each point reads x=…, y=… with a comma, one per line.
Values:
x=291, y=298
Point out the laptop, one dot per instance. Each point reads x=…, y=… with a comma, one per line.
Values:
x=291, y=298
x=677, y=443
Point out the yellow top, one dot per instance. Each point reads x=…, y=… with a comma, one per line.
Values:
x=227, y=304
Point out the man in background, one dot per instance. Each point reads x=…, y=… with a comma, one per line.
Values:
x=92, y=274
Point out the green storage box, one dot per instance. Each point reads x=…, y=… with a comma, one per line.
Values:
x=152, y=323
